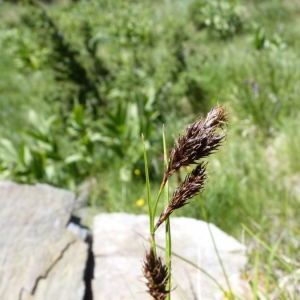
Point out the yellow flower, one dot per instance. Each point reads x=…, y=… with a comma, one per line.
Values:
x=137, y=172
x=140, y=202
x=228, y=295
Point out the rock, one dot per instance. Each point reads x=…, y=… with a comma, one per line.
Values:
x=82, y=233
x=44, y=256
x=40, y=259
x=120, y=241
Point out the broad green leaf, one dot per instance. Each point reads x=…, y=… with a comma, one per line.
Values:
x=74, y=158
x=8, y=151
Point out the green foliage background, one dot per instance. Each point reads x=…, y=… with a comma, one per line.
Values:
x=81, y=81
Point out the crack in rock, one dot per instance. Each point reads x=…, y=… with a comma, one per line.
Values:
x=52, y=266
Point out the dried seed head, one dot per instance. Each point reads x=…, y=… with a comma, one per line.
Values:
x=156, y=274
x=191, y=186
x=216, y=118
x=198, y=141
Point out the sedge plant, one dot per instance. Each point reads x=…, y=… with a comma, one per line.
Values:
x=198, y=141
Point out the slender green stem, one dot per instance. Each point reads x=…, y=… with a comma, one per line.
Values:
x=197, y=267
x=168, y=245
x=271, y=263
x=148, y=186
x=216, y=249
x=220, y=261
x=164, y=181
x=168, y=240
x=157, y=199
x=149, y=202
x=168, y=252
x=256, y=271
x=280, y=259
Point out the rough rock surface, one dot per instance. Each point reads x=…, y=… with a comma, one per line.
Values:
x=119, y=246
x=44, y=257
x=39, y=258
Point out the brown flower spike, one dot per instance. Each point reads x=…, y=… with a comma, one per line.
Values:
x=156, y=275
x=198, y=141
x=191, y=186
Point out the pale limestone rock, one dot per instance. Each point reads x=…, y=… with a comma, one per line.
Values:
x=119, y=246
x=39, y=258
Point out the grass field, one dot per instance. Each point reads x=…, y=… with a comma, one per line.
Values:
x=132, y=66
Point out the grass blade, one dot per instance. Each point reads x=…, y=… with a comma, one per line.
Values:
x=168, y=250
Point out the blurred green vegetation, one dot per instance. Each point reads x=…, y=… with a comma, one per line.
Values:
x=81, y=81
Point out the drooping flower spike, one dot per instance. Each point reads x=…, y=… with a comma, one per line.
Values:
x=199, y=140
x=191, y=186
x=156, y=274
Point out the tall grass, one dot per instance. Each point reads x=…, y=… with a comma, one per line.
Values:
x=197, y=142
